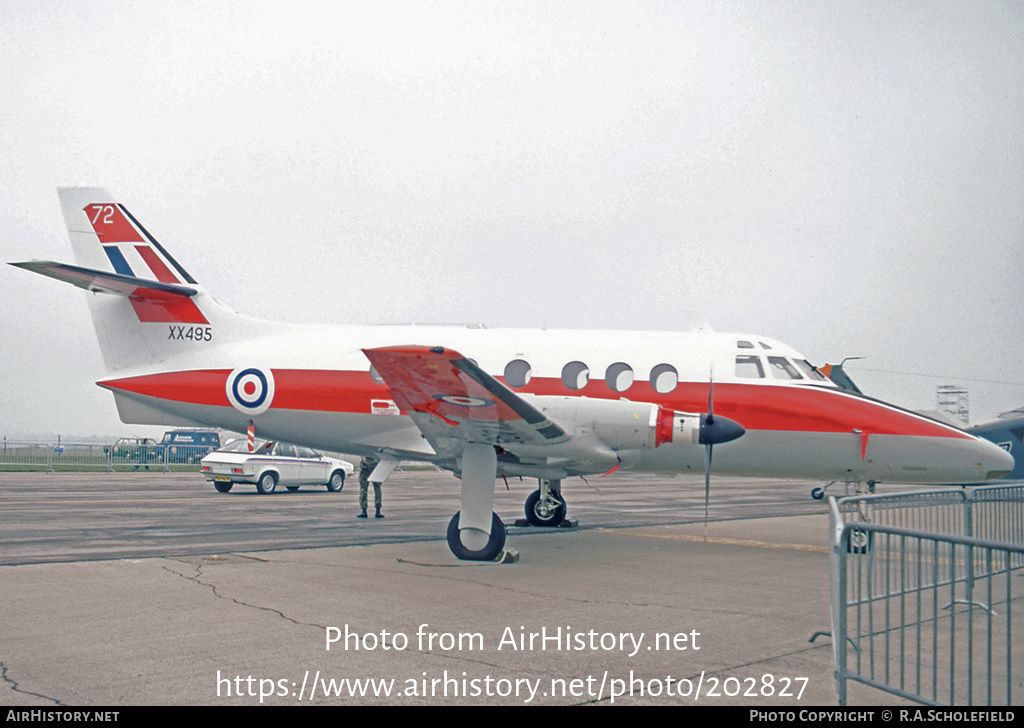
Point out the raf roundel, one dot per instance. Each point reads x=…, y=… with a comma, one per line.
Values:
x=463, y=400
x=250, y=390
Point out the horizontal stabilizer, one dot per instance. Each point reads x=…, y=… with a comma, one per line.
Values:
x=99, y=281
x=153, y=301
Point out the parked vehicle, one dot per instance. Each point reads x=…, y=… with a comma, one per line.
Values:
x=273, y=464
x=189, y=446
x=137, y=450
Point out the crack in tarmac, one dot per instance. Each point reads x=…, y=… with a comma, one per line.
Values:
x=14, y=686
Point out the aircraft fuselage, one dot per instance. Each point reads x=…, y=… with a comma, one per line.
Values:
x=797, y=424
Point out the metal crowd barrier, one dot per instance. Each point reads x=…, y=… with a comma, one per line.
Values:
x=73, y=456
x=925, y=592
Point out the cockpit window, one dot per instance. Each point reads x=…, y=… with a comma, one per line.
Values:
x=749, y=366
x=782, y=368
x=744, y=345
x=810, y=371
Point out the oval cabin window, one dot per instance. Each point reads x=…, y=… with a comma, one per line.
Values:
x=619, y=377
x=664, y=378
x=575, y=375
x=517, y=373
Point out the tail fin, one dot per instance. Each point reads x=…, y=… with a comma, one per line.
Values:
x=93, y=216
x=156, y=305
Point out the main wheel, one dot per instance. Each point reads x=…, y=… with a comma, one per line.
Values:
x=491, y=551
x=544, y=513
x=267, y=483
x=222, y=487
x=337, y=481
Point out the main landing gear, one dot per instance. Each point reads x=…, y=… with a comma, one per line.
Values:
x=476, y=533
x=493, y=543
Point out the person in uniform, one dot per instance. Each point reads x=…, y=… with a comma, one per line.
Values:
x=365, y=468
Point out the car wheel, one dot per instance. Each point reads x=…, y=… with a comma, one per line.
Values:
x=267, y=483
x=337, y=481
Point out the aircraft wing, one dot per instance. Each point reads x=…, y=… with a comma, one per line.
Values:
x=449, y=396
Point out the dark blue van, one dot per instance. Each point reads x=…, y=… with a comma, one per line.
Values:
x=189, y=446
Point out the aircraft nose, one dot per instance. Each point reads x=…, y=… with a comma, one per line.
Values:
x=995, y=461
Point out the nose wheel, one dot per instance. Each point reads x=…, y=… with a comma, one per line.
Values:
x=545, y=511
x=819, y=492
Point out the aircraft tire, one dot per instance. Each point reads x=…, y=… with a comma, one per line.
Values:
x=817, y=493
x=222, y=487
x=493, y=549
x=337, y=481
x=292, y=488
x=267, y=483
x=540, y=515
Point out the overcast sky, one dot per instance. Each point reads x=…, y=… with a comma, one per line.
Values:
x=845, y=177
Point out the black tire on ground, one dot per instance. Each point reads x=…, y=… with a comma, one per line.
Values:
x=494, y=547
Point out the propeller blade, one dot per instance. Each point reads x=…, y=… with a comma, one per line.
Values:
x=714, y=430
x=707, y=485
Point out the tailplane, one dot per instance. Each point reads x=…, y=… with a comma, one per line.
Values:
x=147, y=304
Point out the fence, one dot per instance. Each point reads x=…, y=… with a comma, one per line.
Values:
x=924, y=593
x=72, y=456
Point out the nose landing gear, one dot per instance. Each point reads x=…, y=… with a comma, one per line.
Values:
x=545, y=507
x=819, y=493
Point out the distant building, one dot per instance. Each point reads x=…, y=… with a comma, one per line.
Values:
x=953, y=400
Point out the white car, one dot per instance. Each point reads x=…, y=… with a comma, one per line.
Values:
x=271, y=464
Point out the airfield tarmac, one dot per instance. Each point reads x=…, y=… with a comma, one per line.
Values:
x=149, y=588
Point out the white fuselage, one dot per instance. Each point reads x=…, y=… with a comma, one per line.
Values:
x=798, y=424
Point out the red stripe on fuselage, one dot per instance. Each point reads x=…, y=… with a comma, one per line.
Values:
x=203, y=386
x=295, y=389
x=795, y=408
x=756, y=407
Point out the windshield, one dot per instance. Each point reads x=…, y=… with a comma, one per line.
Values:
x=242, y=445
x=280, y=449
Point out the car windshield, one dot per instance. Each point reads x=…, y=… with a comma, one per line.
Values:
x=279, y=449
x=242, y=445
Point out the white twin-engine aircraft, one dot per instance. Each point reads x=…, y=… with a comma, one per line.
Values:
x=485, y=403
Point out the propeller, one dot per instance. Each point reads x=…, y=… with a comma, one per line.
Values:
x=714, y=430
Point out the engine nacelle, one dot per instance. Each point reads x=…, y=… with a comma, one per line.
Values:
x=619, y=424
